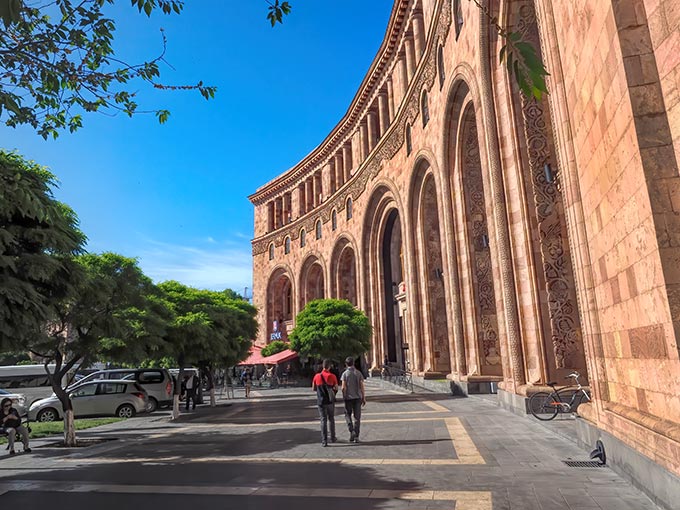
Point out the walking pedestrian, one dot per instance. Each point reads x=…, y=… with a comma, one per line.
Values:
x=326, y=386
x=355, y=398
x=10, y=421
x=247, y=380
x=190, y=383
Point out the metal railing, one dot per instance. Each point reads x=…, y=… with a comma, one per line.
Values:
x=397, y=376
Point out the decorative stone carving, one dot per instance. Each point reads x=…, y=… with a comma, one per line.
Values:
x=388, y=147
x=564, y=321
x=480, y=255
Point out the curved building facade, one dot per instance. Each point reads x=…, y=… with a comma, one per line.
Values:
x=492, y=238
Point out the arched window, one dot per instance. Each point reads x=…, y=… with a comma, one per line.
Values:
x=271, y=251
x=318, y=229
x=409, y=145
x=440, y=65
x=334, y=220
x=349, y=208
x=303, y=238
x=286, y=246
x=457, y=17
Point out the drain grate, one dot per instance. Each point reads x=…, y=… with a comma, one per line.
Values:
x=583, y=463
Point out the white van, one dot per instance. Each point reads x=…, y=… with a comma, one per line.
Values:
x=29, y=380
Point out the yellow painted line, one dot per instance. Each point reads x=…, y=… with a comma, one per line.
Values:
x=465, y=448
x=436, y=407
x=397, y=413
x=465, y=500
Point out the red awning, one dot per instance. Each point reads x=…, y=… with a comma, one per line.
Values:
x=256, y=357
x=280, y=357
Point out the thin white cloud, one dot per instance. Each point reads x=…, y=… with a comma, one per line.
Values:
x=216, y=267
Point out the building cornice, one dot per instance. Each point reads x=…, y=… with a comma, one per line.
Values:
x=344, y=129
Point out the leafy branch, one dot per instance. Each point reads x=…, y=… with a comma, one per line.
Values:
x=57, y=61
x=521, y=58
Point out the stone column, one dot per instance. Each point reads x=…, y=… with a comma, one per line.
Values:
x=270, y=216
x=295, y=203
x=403, y=76
x=339, y=169
x=410, y=57
x=390, y=98
x=278, y=212
x=373, y=134
x=418, y=26
x=383, y=112
x=347, y=157
x=310, y=194
x=328, y=176
x=287, y=210
x=318, y=188
x=363, y=133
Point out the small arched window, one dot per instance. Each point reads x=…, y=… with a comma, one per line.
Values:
x=271, y=251
x=303, y=238
x=334, y=220
x=318, y=229
x=349, y=208
x=425, y=109
x=440, y=65
x=286, y=246
x=409, y=145
x=457, y=17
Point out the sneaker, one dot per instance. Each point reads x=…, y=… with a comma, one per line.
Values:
x=334, y=439
x=351, y=437
x=324, y=443
x=356, y=439
x=12, y=452
x=27, y=450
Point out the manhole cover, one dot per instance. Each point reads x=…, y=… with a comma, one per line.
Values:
x=583, y=463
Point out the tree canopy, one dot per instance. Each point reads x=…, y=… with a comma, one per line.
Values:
x=38, y=238
x=331, y=328
x=57, y=61
x=274, y=348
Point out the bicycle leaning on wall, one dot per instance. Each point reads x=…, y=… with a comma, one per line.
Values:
x=545, y=406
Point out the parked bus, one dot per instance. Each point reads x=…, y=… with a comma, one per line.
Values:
x=29, y=380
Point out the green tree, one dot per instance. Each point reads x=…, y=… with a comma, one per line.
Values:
x=331, y=328
x=112, y=313
x=209, y=329
x=273, y=348
x=58, y=61
x=38, y=238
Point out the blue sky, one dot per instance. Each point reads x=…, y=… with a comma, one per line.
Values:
x=174, y=195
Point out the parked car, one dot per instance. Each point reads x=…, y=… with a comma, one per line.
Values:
x=98, y=398
x=157, y=382
x=18, y=401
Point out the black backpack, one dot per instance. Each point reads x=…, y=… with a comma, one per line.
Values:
x=324, y=392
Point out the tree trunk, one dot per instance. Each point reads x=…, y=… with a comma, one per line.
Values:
x=69, y=429
x=211, y=385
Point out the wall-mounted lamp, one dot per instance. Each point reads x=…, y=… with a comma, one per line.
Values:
x=549, y=176
x=438, y=273
x=484, y=241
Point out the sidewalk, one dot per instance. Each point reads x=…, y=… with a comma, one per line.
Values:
x=416, y=452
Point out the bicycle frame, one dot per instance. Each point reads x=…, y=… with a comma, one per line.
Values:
x=566, y=407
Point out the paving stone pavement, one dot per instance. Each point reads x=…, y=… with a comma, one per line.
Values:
x=416, y=452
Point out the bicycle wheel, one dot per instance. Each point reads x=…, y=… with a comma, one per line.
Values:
x=540, y=405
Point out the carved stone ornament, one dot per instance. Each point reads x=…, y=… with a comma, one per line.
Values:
x=387, y=147
x=564, y=321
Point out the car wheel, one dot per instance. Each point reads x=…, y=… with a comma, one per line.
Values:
x=48, y=414
x=125, y=411
x=152, y=405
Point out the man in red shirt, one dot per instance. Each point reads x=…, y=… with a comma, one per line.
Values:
x=326, y=386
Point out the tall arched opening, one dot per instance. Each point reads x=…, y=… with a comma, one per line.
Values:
x=280, y=312
x=344, y=272
x=311, y=281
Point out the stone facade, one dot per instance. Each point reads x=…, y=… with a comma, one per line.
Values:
x=500, y=238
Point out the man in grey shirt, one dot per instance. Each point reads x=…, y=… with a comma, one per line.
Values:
x=354, y=396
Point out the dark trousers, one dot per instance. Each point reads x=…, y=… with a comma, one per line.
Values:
x=353, y=407
x=191, y=395
x=327, y=418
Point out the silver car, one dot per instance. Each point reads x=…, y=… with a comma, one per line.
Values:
x=123, y=399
